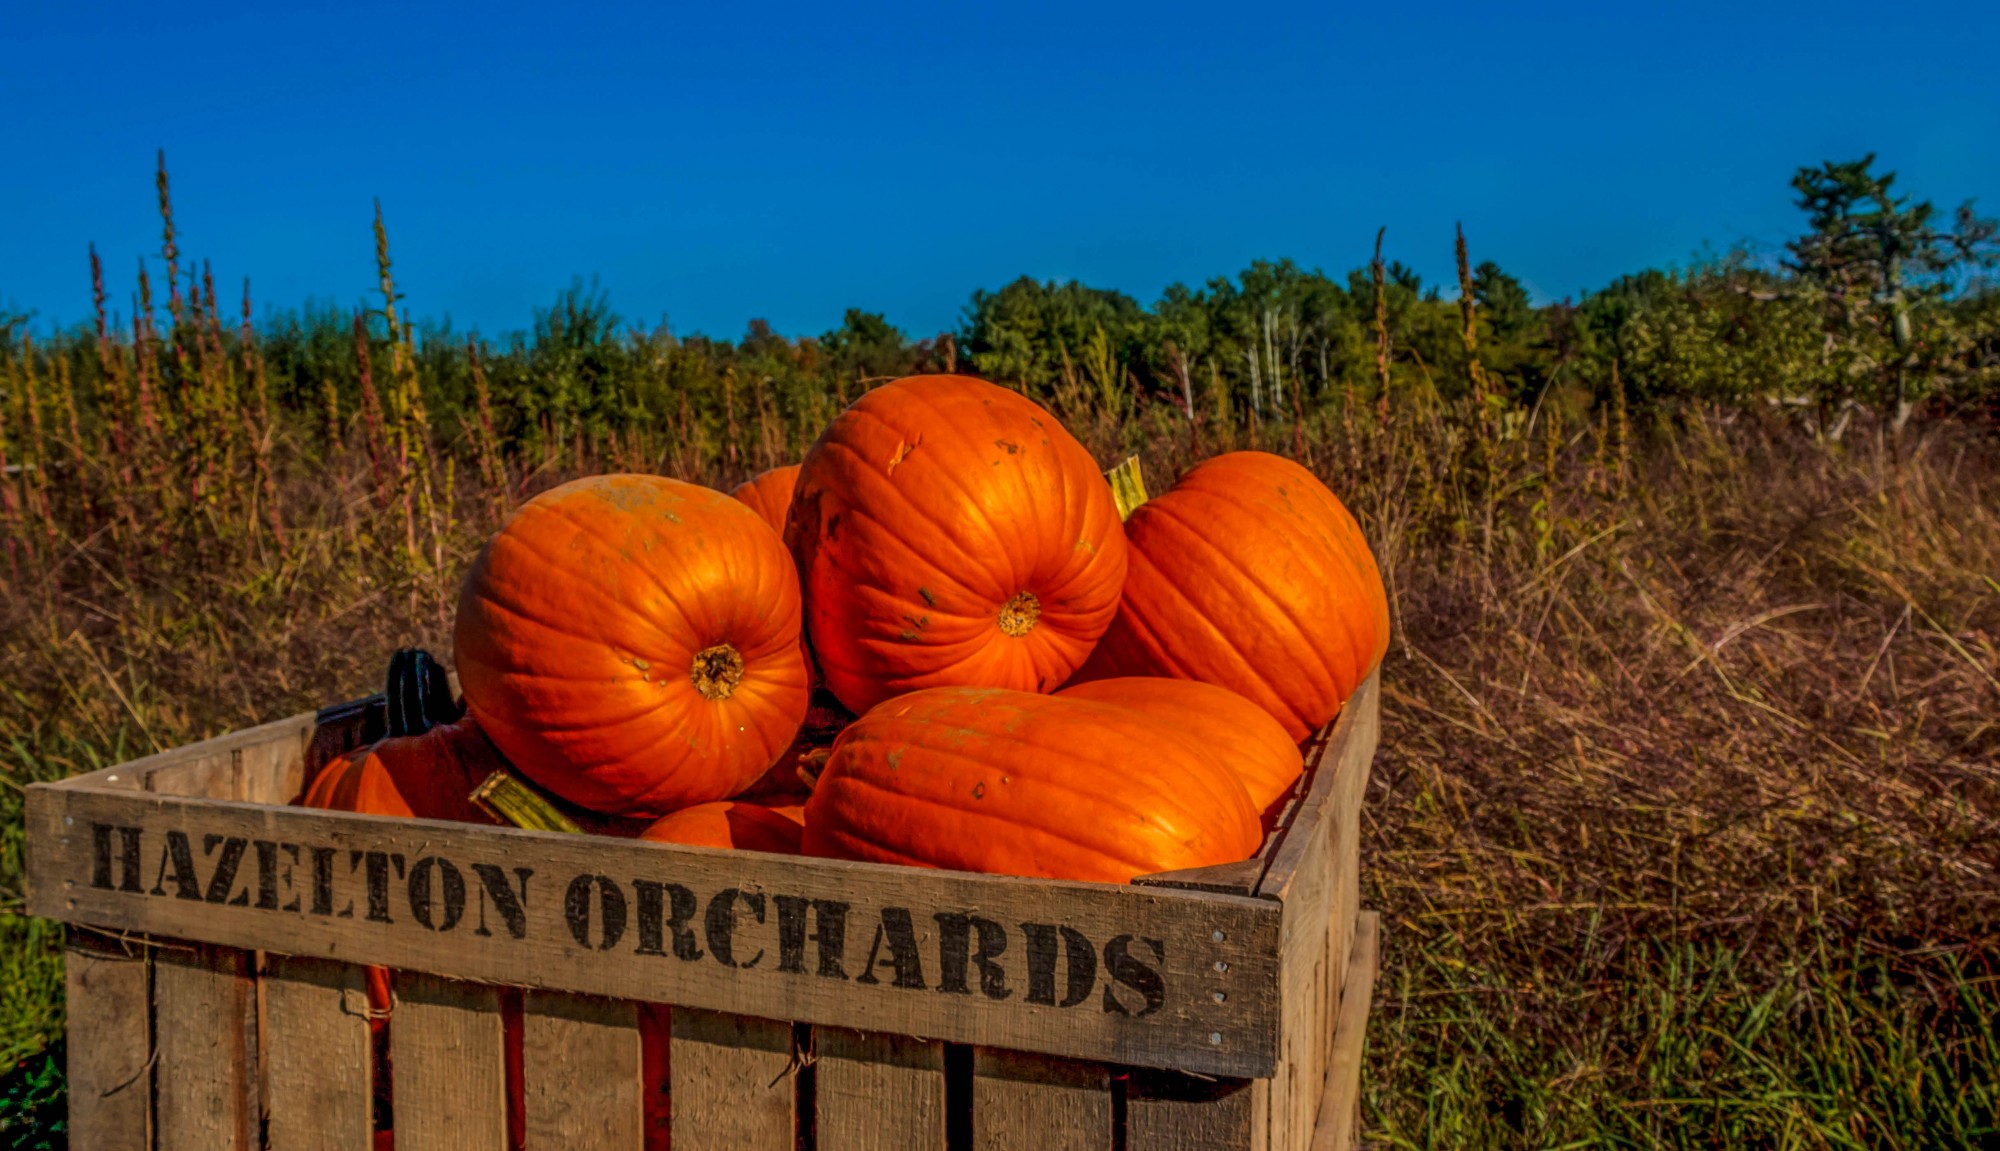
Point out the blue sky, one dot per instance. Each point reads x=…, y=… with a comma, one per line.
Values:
x=714, y=163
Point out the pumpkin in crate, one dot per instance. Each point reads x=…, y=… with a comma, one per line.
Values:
x=632, y=644
x=427, y=765
x=745, y=826
x=769, y=494
x=1239, y=733
x=1251, y=575
x=951, y=532
x=1016, y=783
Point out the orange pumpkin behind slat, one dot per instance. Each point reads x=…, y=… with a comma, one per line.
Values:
x=1016, y=783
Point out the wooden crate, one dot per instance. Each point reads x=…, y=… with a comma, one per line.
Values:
x=216, y=998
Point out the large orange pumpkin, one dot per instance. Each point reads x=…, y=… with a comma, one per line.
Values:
x=1239, y=733
x=1015, y=783
x=1251, y=575
x=769, y=494
x=746, y=826
x=632, y=643
x=949, y=531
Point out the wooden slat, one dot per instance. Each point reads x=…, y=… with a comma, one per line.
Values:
x=1169, y=1111
x=1349, y=749
x=823, y=942
x=1340, y=1106
x=208, y=776
x=581, y=1072
x=1033, y=1103
x=204, y=1021
x=109, y=1066
x=1304, y=967
x=317, y=1055
x=1313, y=875
x=446, y=1052
x=733, y=1082
x=1346, y=897
x=878, y=1092
x=200, y=768
x=272, y=771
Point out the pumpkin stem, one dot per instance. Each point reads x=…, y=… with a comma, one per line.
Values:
x=511, y=801
x=1128, y=486
x=717, y=670
x=811, y=764
x=1018, y=615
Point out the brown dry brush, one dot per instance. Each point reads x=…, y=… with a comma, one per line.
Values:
x=1682, y=680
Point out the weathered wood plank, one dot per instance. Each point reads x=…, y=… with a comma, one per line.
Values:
x=205, y=1027
x=823, y=942
x=110, y=1065
x=1349, y=749
x=1340, y=1106
x=582, y=1072
x=272, y=771
x=1169, y=1111
x=202, y=768
x=1026, y=1102
x=317, y=1057
x=1302, y=945
x=211, y=776
x=1346, y=896
x=878, y=1092
x=447, y=1056
x=733, y=1083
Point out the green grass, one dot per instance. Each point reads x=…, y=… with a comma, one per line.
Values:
x=1686, y=830
x=1690, y=1048
x=33, y=1107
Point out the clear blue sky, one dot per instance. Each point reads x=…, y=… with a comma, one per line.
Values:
x=718, y=162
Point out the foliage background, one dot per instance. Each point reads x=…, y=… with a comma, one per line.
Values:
x=1684, y=830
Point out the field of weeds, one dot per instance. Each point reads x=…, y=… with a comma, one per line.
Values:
x=1686, y=827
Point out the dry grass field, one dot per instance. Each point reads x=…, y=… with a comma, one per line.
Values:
x=1686, y=829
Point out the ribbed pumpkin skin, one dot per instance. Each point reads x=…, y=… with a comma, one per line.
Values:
x=950, y=532
x=744, y=826
x=1251, y=575
x=1015, y=783
x=585, y=623
x=1239, y=733
x=428, y=776
x=770, y=494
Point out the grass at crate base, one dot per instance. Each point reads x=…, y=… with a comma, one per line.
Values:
x=1684, y=831
x=32, y=1104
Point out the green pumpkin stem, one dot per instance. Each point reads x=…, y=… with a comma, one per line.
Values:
x=1128, y=486
x=505, y=797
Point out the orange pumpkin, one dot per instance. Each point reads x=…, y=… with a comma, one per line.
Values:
x=1251, y=575
x=632, y=644
x=428, y=776
x=746, y=826
x=1015, y=783
x=770, y=494
x=426, y=767
x=948, y=531
x=1241, y=734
